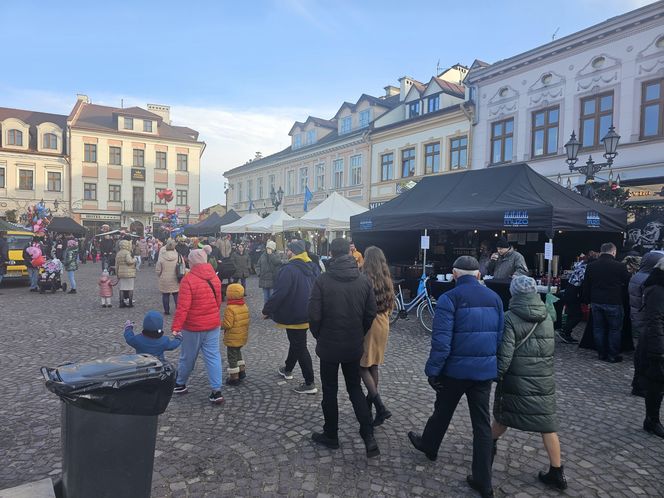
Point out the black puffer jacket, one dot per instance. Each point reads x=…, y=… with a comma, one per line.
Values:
x=605, y=281
x=637, y=310
x=342, y=308
x=653, y=340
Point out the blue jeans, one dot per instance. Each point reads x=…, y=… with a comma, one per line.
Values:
x=166, y=300
x=607, y=328
x=266, y=294
x=208, y=343
x=33, y=274
x=72, y=280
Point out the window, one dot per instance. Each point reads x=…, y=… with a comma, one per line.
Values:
x=346, y=124
x=157, y=200
x=54, y=181
x=250, y=189
x=502, y=133
x=182, y=162
x=387, y=167
x=433, y=103
x=15, y=137
x=459, y=153
x=408, y=162
x=259, y=188
x=432, y=158
x=365, y=118
x=596, y=117
x=311, y=137
x=545, y=131
x=90, y=191
x=139, y=158
x=290, y=182
x=297, y=141
x=240, y=197
x=356, y=170
x=50, y=141
x=115, y=155
x=129, y=123
x=652, y=109
x=26, y=179
x=270, y=187
x=2, y=178
x=181, y=197
x=304, y=180
x=320, y=177
x=161, y=161
x=114, y=193
x=90, y=153
x=147, y=125
x=338, y=167
x=414, y=109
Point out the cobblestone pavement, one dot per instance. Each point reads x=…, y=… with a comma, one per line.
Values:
x=257, y=443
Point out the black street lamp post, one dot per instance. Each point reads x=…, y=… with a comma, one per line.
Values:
x=276, y=197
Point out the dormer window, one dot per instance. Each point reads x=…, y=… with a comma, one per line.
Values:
x=311, y=137
x=128, y=123
x=15, y=137
x=414, y=109
x=50, y=141
x=346, y=124
x=365, y=118
x=147, y=126
x=297, y=141
x=434, y=103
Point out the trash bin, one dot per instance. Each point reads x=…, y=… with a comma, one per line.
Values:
x=109, y=423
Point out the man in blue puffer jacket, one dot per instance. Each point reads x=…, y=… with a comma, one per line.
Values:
x=467, y=331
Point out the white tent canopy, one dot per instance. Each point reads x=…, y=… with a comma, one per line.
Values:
x=333, y=214
x=240, y=226
x=273, y=223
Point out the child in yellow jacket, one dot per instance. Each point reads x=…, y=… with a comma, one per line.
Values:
x=236, y=332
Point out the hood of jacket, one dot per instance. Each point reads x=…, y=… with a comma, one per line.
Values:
x=656, y=278
x=343, y=268
x=169, y=255
x=125, y=244
x=528, y=307
x=203, y=271
x=305, y=266
x=649, y=261
x=235, y=291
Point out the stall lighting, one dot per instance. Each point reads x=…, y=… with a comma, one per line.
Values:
x=495, y=235
x=474, y=231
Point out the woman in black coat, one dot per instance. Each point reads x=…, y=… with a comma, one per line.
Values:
x=654, y=349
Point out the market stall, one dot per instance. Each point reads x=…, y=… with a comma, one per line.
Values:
x=211, y=225
x=273, y=223
x=240, y=226
x=64, y=224
x=331, y=215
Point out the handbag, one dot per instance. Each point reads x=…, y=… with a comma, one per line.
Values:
x=179, y=268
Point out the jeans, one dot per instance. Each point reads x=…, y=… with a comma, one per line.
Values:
x=138, y=262
x=298, y=353
x=607, y=326
x=72, y=279
x=266, y=294
x=242, y=281
x=447, y=398
x=105, y=261
x=33, y=274
x=208, y=343
x=166, y=300
x=329, y=377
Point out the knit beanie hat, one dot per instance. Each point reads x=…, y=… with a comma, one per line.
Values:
x=153, y=324
x=199, y=256
x=297, y=247
x=72, y=243
x=271, y=244
x=502, y=243
x=523, y=285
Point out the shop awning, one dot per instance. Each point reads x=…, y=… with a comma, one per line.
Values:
x=512, y=197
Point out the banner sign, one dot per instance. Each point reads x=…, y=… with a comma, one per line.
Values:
x=593, y=219
x=138, y=174
x=515, y=219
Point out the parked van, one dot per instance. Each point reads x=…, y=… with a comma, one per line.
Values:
x=17, y=240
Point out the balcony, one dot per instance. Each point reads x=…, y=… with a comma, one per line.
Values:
x=137, y=207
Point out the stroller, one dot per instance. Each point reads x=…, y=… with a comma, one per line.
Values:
x=50, y=277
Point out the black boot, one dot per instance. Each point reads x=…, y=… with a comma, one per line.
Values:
x=382, y=413
x=484, y=493
x=371, y=445
x=370, y=401
x=653, y=426
x=554, y=478
x=130, y=297
x=122, y=299
x=494, y=451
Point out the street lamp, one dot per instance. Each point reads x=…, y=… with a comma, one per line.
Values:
x=591, y=168
x=276, y=197
x=56, y=204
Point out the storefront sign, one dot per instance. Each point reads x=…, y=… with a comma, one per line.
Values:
x=515, y=219
x=374, y=205
x=100, y=217
x=593, y=219
x=366, y=225
x=644, y=193
x=138, y=174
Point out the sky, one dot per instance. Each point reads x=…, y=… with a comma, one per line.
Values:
x=241, y=73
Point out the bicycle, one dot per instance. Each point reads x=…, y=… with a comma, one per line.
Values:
x=423, y=304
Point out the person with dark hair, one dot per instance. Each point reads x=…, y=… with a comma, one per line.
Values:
x=653, y=347
x=376, y=269
x=506, y=262
x=342, y=308
x=603, y=287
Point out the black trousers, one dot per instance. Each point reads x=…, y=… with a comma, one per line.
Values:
x=299, y=353
x=329, y=377
x=447, y=398
x=573, y=303
x=654, y=396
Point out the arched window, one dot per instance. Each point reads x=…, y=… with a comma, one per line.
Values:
x=50, y=141
x=15, y=137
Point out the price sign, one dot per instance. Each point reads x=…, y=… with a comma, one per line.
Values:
x=548, y=251
x=424, y=242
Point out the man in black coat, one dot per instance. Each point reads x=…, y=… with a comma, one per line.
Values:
x=653, y=345
x=604, y=286
x=342, y=308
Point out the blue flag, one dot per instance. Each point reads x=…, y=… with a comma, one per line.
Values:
x=308, y=196
x=251, y=205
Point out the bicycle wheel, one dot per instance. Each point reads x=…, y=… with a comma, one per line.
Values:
x=394, y=315
x=425, y=313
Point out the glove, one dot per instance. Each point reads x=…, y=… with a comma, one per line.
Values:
x=436, y=383
x=129, y=325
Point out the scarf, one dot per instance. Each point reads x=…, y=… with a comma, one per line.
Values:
x=236, y=302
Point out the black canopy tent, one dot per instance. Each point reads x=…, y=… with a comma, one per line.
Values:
x=513, y=197
x=211, y=225
x=64, y=224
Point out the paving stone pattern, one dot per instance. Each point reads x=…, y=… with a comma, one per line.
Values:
x=258, y=442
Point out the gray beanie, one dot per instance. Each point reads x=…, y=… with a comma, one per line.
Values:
x=297, y=247
x=523, y=285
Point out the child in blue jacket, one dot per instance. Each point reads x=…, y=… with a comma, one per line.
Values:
x=151, y=340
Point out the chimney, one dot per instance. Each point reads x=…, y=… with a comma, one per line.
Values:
x=391, y=91
x=406, y=83
x=82, y=98
x=161, y=110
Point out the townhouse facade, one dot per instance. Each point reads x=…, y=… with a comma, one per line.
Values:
x=525, y=108
x=33, y=161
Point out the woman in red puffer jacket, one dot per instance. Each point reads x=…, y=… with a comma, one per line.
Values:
x=198, y=320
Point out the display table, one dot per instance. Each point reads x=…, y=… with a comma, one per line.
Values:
x=499, y=286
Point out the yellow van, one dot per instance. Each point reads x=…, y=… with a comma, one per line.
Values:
x=17, y=240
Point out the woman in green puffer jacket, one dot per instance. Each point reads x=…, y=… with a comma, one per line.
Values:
x=526, y=392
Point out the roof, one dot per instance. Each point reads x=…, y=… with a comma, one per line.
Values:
x=333, y=213
x=137, y=112
x=387, y=102
x=450, y=88
x=34, y=119
x=421, y=117
x=325, y=123
x=104, y=118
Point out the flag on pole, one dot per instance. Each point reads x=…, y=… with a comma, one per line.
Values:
x=251, y=205
x=308, y=196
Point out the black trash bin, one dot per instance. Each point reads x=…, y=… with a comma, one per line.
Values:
x=109, y=423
